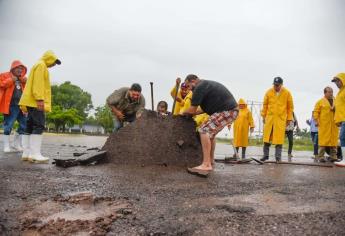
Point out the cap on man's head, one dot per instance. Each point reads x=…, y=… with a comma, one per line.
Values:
x=191, y=77
x=58, y=62
x=136, y=87
x=339, y=76
x=277, y=81
x=184, y=86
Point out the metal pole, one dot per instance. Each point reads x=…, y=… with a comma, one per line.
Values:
x=152, y=103
x=173, y=108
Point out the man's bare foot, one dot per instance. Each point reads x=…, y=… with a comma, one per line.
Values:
x=203, y=167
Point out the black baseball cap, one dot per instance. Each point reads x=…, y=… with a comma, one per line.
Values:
x=335, y=79
x=277, y=81
x=58, y=62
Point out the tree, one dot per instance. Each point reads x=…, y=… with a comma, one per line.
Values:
x=69, y=96
x=104, y=118
x=62, y=118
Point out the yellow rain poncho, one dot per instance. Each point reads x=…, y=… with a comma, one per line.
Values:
x=340, y=101
x=242, y=124
x=277, y=110
x=199, y=119
x=38, y=84
x=323, y=114
x=178, y=105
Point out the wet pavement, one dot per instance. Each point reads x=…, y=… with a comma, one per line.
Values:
x=246, y=199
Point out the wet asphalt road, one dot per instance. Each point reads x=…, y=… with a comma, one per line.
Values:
x=245, y=199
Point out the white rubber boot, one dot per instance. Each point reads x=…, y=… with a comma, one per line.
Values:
x=35, y=147
x=7, y=148
x=17, y=142
x=341, y=163
x=26, y=156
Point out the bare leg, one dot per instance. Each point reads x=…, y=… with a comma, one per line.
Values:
x=206, y=152
x=213, y=147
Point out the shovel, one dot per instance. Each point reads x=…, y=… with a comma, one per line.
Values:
x=174, y=104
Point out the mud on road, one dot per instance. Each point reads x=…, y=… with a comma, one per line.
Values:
x=111, y=199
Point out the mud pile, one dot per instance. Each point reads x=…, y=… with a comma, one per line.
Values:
x=154, y=140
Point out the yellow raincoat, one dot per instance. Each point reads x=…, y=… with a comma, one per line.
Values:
x=199, y=119
x=242, y=124
x=38, y=84
x=324, y=116
x=277, y=110
x=178, y=105
x=340, y=101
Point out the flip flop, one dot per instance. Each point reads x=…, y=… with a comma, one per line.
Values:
x=197, y=172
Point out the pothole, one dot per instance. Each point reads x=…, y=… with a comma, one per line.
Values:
x=76, y=214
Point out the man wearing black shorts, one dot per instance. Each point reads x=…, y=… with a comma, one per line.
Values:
x=217, y=101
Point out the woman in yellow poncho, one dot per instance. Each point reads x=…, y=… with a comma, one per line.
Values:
x=242, y=124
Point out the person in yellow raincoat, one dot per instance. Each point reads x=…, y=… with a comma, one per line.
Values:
x=339, y=116
x=277, y=114
x=36, y=100
x=323, y=115
x=181, y=95
x=242, y=124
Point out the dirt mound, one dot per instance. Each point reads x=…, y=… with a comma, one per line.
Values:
x=153, y=139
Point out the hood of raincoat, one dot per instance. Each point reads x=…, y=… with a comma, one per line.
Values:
x=49, y=58
x=17, y=63
x=242, y=102
x=341, y=76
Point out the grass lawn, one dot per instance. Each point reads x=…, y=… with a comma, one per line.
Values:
x=300, y=144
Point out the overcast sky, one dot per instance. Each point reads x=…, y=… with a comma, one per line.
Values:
x=104, y=45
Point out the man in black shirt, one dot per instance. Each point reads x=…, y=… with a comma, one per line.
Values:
x=217, y=101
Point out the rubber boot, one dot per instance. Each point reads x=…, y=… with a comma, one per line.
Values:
x=278, y=152
x=35, y=146
x=17, y=142
x=290, y=156
x=321, y=156
x=7, y=148
x=333, y=154
x=341, y=163
x=243, y=152
x=26, y=156
x=266, y=152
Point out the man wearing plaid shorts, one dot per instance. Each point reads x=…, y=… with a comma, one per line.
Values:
x=217, y=101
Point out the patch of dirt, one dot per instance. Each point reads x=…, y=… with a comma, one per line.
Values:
x=154, y=140
x=77, y=214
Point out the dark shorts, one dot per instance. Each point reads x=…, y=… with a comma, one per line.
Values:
x=35, y=122
x=217, y=121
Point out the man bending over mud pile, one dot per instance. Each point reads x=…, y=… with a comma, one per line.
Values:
x=125, y=103
x=217, y=101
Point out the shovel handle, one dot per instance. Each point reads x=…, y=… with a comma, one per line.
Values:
x=152, y=103
x=174, y=104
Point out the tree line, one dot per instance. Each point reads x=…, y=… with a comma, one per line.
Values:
x=71, y=106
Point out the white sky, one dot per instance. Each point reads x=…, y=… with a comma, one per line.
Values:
x=244, y=44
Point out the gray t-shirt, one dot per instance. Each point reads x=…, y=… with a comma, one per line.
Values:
x=213, y=97
x=17, y=93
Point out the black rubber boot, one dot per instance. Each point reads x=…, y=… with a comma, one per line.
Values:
x=278, y=154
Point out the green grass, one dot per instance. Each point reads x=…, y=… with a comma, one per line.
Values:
x=300, y=144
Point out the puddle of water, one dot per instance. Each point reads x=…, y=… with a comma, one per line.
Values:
x=272, y=203
x=76, y=214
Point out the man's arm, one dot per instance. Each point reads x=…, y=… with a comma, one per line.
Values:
x=113, y=100
x=316, y=113
x=290, y=107
x=264, y=108
x=192, y=111
x=5, y=82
